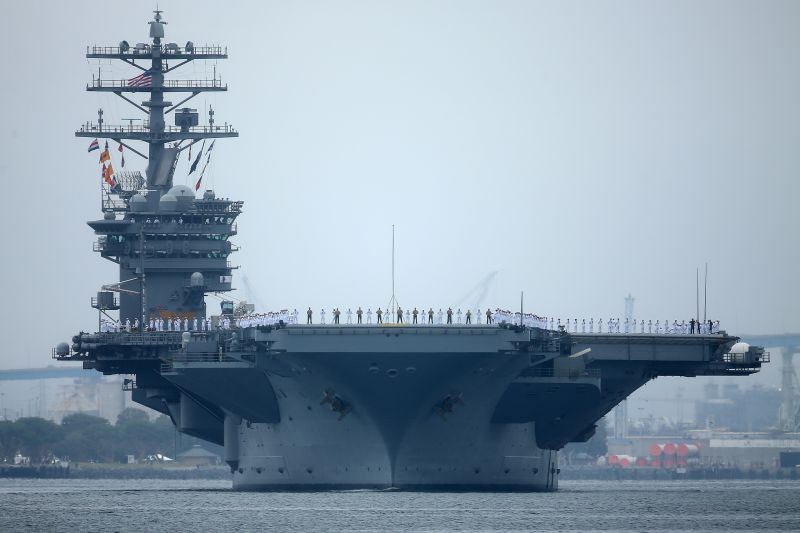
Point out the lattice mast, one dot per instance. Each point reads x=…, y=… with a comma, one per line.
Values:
x=152, y=60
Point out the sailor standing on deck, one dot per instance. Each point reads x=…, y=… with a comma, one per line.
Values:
x=309, y=312
x=369, y=315
x=469, y=317
x=489, y=319
x=379, y=314
x=322, y=315
x=399, y=315
x=414, y=314
x=449, y=315
x=349, y=316
x=430, y=315
x=359, y=312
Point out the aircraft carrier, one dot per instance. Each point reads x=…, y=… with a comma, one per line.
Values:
x=309, y=407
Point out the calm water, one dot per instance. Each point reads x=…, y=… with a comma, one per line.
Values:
x=147, y=505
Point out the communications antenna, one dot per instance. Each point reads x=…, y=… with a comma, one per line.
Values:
x=393, y=301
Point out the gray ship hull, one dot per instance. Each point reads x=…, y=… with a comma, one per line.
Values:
x=394, y=435
x=418, y=408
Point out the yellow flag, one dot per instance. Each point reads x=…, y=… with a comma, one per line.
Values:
x=108, y=173
x=105, y=156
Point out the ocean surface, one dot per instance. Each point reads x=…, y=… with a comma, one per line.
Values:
x=159, y=505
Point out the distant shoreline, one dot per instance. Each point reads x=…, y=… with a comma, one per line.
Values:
x=115, y=471
x=606, y=473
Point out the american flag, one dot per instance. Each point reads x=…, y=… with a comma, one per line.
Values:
x=142, y=80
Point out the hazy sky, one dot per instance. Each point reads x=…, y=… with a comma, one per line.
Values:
x=583, y=150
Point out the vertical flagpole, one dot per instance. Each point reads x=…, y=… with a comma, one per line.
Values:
x=394, y=301
x=705, y=295
x=697, y=291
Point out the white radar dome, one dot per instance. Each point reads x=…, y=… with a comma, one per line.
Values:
x=168, y=203
x=179, y=191
x=184, y=196
x=740, y=347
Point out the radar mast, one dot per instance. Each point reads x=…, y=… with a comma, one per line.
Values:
x=165, y=143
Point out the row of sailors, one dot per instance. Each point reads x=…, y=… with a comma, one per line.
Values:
x=400, y=317
x=632, y=326
x=201, y=324
x=499, y=316
x=528, y=319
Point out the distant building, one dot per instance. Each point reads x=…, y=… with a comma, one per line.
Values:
x=198, y=456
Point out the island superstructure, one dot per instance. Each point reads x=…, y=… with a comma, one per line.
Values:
x=297, y=406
